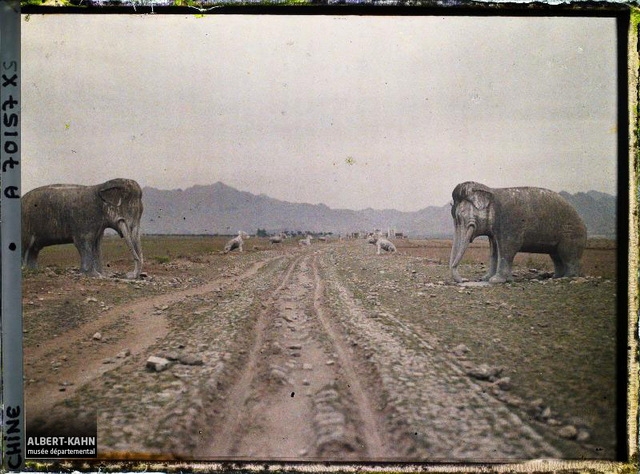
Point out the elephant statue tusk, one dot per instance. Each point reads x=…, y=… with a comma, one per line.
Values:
x=460, y=244
x=137, y=257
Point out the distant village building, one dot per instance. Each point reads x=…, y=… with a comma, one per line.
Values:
x=394, y=234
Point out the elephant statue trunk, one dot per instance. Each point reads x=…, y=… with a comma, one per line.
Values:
x=462, y=239
x=522, y=219
x=69, y=213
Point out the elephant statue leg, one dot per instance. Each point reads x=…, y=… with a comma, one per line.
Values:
x=493, y=259
x=503, y=273
x=570, y=254
x=558, y=266
x=30, y=255
x=96, y=252
x=87, y=261
x=506, y=254
x=572, y=269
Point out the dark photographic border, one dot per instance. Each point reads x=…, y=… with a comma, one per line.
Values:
x=627, y=30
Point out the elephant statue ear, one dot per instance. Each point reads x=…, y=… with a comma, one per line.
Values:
x=478, y=194
x=112, y=195
x=481, y=198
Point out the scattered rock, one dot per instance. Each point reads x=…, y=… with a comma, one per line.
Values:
x=326, y=395
x=158, y=364
x=504, y=383
x=583, y=436
x=171, y=356
x=329, y=418
x=276, y=347
x=97, y=336
x=188, y=359
x=545, y=414
x=568, y=432
x=279, y=374
x=537, y=404
x=484, y=372
x=578, y=422
x=475, y=284
x=460, y=350
x=124, y=353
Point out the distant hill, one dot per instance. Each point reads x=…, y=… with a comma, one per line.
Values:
x=221, y=209
x=598, y=210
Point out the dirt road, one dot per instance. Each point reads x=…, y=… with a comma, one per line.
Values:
x=290, y=354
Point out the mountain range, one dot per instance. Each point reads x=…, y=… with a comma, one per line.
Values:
x=221, y=209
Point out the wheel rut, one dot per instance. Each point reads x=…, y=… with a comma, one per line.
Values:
x=371, y=426
x=144, y=326
x=432, y=403
x=225, y=439
x=299, y=396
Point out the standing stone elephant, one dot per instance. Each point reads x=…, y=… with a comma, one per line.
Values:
x=70, y=213
x=516, y=220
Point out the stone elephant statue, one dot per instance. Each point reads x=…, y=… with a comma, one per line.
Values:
x=70, y=213
x=524, y=219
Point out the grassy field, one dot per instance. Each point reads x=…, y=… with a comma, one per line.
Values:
x=599, y=257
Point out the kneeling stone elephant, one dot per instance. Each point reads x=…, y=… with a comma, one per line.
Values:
x=69, y=213
x=516, y=220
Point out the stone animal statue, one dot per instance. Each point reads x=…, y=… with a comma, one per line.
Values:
x=72, y=213
x=278, y=238
x=306, y=240
x=381, y=243
x=236, y=242
x=516, y=220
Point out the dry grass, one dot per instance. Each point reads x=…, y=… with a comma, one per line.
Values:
x=599, y=258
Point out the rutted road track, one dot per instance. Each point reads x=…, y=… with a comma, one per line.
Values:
x=436, y=411
x=142, y=327
x=299, y=396
x=283, y=361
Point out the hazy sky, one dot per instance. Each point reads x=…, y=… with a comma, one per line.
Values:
x=352, y=112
